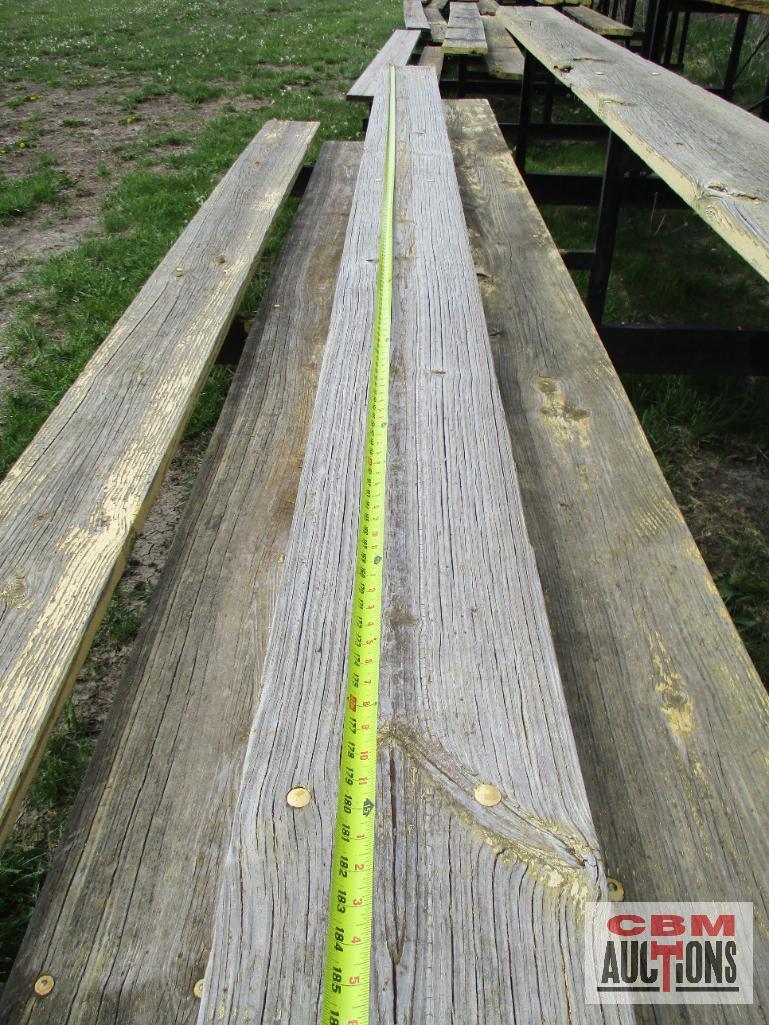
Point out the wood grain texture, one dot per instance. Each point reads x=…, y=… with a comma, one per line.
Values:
x=670, y=718
x=123, y=923
x=502, y=60
x=73, y=503
x=599, y=23
x=397, y=50
x=432, y=57
x=478, y=910
x=414, y=15
x=437, y=23
x=712, y=153
x=464, y=34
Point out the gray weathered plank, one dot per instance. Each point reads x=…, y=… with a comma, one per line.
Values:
x=414, y=15
x=602, y=24
x=713, y=154
x=671, y=720
x=71, y=506
x=752, y=6
x=478, y=911
x=123, y=922
x=464, y=34
x=437, y=23
x=502, y=60
x=432, y=57
x=397, y=50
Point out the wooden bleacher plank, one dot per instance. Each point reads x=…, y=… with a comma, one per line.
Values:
x=670, y=717
x=73, y=503
x=712, y=153
x=502, y=60
x=464, y=34
x=467, y=695
x=397, y=50
x=437, y=23
x=752, y=6
x=432, y=57
x=602, y=24
x=414, y=15
x=123, y=922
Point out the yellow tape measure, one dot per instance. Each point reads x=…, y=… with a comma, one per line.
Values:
x=348, y=948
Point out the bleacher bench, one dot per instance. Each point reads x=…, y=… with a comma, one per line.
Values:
x=570, y=648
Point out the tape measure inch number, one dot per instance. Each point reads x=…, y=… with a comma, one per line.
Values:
x=348, y=948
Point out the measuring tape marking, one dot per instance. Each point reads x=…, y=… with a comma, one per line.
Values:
x=348, y=945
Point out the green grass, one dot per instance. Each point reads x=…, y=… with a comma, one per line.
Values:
x=45, y=184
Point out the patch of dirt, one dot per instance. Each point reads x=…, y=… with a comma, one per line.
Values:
x=86, y=133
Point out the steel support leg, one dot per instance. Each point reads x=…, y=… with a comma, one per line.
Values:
x=606, y=230
x=524, y=116
x=734, y=57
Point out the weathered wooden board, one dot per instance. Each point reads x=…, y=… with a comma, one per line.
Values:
x=713, y=154
x=432, y=57
x=124, y=920
x=489, y=7
x=437, y=23
x=602, y=24
x=502, y=60
x=71, y=506
x=397, y=50
x=464, y=34
x=414, y=15
x=671, y=721
x=478, y=910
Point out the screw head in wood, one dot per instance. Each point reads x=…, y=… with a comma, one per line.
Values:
x=197, y=989
x=487, y=794
x=44, y=985
x=616, y=889
x=298, y=797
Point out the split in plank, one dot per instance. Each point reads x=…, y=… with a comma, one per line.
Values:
x=437, y=23
x=467, y=695
x=432, y=57
x=464, y=35
x=601, y=24
x=712, y=153
x=414, y=15
x=124, y=919
x=504, y=59
x=397, y=50
x=71, y=506
x=670, y=717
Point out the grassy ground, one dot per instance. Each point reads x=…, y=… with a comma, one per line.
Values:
x=116, y=119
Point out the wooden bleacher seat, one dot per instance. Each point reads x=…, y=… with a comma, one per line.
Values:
x=414, y=15
x=669, y=714
x=464, y=35
x=432, y=57
x=397, y=50
x=469, y=692
x=502, y=60
x=124, y=920
x=712, y=153
x=437, y=22
x=601, y=24
x=73, y=503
